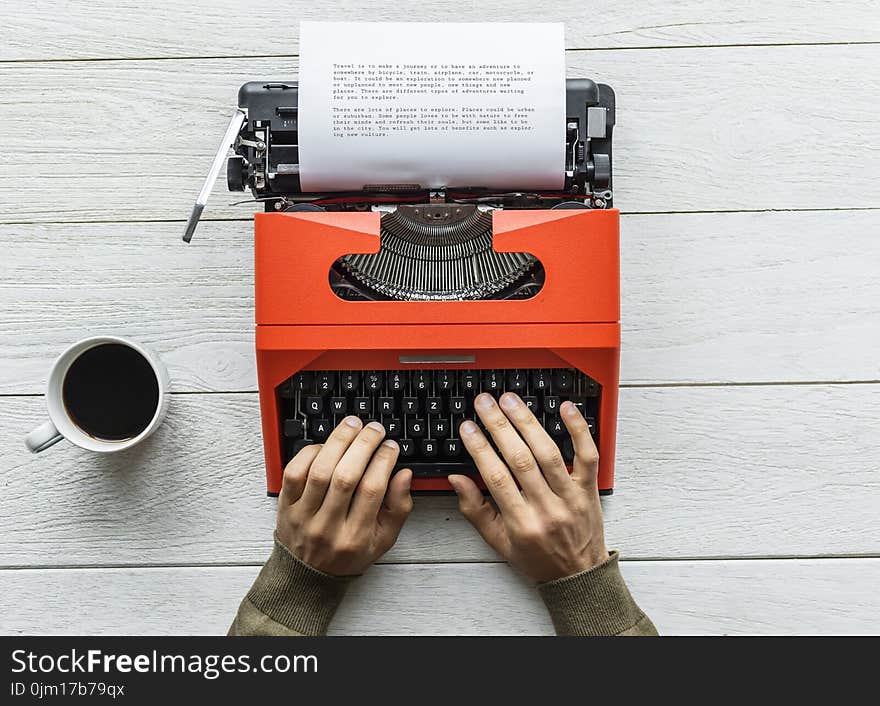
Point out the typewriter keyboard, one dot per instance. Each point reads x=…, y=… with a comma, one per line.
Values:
x=422, y=409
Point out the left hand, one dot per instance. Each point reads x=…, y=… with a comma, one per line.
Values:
x=337, y=510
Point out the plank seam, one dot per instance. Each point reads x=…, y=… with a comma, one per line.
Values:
x=637, y=47
x=249, y=218
x=233, y=565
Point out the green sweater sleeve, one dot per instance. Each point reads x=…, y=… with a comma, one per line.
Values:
x=289, y=597
x=595, y=602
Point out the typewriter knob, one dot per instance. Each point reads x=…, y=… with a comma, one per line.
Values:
x=236, y=173
x=601, y=170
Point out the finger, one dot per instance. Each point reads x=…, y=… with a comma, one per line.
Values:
x=543, y=447
x=397, y=507
x=586, y=456
x=294, y=481
x=515, y=451
x=480, y=513
x=325, y=462
x=493, y=470
x=371, y=491
x=350, y=469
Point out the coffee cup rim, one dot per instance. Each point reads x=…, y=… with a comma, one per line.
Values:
x=55, y=397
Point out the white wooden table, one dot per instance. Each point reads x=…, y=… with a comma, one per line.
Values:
x=748, y=173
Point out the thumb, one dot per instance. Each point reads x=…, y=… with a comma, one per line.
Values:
x=481, y=514
x=397, y=506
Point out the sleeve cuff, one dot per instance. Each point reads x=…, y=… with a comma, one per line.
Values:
x=292, y=593
x=594, y=602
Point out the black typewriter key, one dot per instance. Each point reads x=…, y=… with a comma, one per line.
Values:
x=491, y=382
x=410, y=405
x=551, y=404
x=314, y=405
x=416, y=427
x=469, y=381
x=326, y=382
x=393, y=428
x=591, y=423
x=434, y=405
x=407, y=448
x=555, y=427
x=444, y=381
x=540, y=380
x=421, y=382
x=294, y=428
x=516, y=381
x=396, y=382
x=592, y=388
x=386, y=405
x=338, y=405
x=302, y=381
x=440, y=428
x=430, y=448
x=564, y=382
x=457, y=405
x=374, y=382
x=363, y=405
x=349, y=381
x=580, y=403
x=320, y=429
x=531, y=403
x=452, y=448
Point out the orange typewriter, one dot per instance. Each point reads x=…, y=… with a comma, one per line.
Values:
x=401, y=305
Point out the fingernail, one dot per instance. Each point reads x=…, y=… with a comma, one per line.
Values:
x=468, y=427
x=390, y=443
x=509, y=401
x=483, y=400
x=352, y=422
x=375, y=426
x=568, y=408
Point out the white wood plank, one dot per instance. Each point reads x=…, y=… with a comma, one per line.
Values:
x=759, y=597
x=698, y=129
x=57, y=29
x=705, y=298
x=702, y=472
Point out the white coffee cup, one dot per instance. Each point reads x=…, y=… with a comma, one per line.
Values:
x=61, y=424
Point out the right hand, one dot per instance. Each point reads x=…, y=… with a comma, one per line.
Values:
x=337, y=511
x=551, y=526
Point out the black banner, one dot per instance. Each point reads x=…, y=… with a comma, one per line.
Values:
x=526, y=670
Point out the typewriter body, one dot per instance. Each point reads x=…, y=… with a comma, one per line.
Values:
x=401, y=303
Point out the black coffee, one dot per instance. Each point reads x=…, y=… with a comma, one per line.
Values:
x=111, y=392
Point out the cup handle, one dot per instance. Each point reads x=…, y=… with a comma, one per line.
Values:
x=42, y=437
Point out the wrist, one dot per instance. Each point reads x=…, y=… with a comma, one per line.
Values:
x=592, y=602
x=296, y=595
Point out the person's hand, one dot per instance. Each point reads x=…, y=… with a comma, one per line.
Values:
x=550, y=526
x=337, y=510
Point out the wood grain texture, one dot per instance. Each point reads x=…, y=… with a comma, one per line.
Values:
x=58, y=29
x=757, y=297
x=698, y=129
x=701, y=472
x=763, y=597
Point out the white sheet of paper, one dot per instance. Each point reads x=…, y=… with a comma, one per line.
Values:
x=433, y=104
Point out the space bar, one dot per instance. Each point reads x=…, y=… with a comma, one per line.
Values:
x=438, y=469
